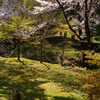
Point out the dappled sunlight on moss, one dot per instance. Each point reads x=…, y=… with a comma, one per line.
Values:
x=36, y=82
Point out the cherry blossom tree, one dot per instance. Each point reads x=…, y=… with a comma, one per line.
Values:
x=83, y=13
x=10, y=8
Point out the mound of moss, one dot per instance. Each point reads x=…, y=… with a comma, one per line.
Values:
x=36, y=82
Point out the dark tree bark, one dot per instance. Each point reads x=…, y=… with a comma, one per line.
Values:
x=63, y=50
x=87, y=29
x=62, y=55
x=41, y=50
x=83, y=59
x=18, y=49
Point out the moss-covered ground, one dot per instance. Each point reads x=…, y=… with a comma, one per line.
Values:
x=37, y=81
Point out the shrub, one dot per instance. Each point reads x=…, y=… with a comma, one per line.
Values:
x=91, y=83
x=93, y=59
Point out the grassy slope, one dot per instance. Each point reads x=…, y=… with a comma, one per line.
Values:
x=36, y=82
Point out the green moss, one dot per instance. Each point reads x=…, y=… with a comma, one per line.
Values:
x=36, y=82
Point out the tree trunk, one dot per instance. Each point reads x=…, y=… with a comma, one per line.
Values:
x=41, y=51
x=87, y=29
x=84, y=46
x=18, y=49
x=62, y=56
x=83, y=59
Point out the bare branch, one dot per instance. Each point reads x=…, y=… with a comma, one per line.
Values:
x=66, y=17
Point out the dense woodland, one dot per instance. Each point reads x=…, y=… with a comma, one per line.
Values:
x=49, y=49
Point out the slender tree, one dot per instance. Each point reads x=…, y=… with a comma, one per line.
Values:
x=87, y=29
x=18, y=28
x=41, y=43
x=63, y=50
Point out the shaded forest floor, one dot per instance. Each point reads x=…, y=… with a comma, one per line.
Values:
x=36, y=82
x=52, y=52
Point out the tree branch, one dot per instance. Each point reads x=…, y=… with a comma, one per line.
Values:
x=66, y=17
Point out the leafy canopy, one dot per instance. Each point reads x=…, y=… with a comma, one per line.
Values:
x=16, y=27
